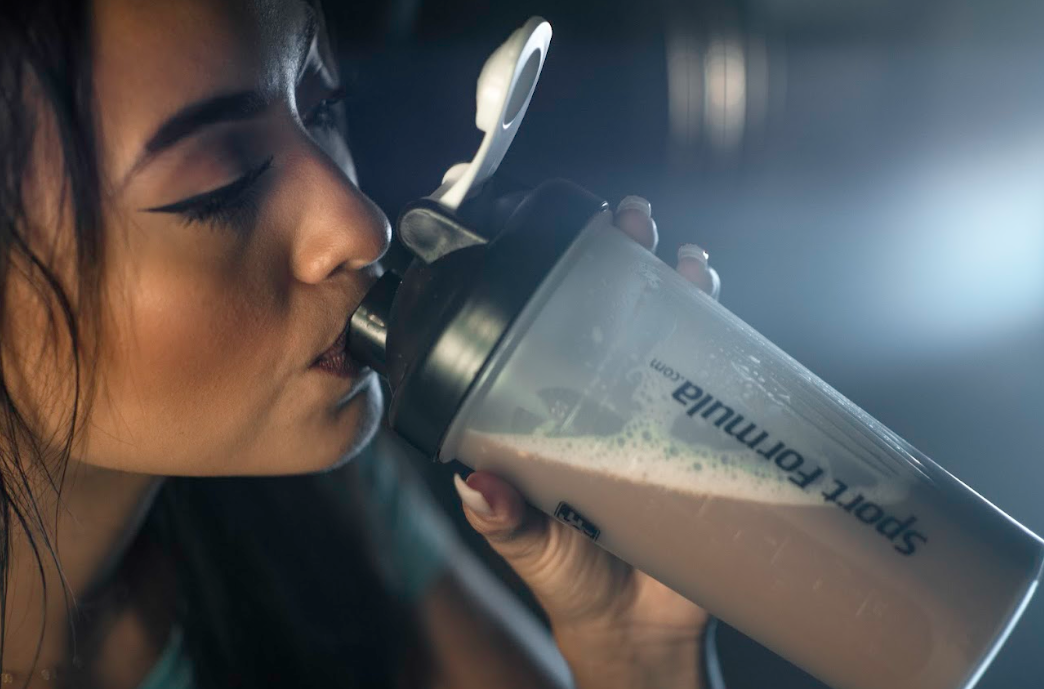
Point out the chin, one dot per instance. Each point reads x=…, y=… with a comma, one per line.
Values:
x=365, y=410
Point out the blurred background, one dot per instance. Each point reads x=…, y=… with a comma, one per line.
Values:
x=868, y=177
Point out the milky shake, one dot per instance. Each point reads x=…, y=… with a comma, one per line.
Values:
x=734, y=537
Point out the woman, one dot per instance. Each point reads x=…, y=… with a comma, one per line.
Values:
x=182, y=238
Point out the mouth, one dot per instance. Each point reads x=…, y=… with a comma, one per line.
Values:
x=335, y=360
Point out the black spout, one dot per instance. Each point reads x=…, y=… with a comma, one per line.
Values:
x=368, y=327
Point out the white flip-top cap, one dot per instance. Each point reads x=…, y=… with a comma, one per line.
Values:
x=505, y=88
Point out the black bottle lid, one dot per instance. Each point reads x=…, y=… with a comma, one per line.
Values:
x=440, y=325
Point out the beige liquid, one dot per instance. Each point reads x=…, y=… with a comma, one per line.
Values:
x=789, y=570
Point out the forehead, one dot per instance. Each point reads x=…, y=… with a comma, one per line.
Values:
x=151, y=58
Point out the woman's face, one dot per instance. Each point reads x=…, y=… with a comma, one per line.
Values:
x=236, y=243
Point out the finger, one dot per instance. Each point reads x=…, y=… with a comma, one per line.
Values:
x=634, y=217
x=498, y=512
x=572, y=578
x=530, y=542
x=693, y=266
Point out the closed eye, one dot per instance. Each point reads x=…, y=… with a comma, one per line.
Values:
x=220, y=204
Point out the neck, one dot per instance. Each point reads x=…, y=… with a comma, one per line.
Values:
x=90, y=526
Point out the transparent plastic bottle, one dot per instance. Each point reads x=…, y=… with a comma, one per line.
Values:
x=624, y=401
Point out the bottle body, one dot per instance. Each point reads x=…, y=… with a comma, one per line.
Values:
x=629, y=404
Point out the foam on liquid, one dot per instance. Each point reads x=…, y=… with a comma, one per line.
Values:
x=644, y=451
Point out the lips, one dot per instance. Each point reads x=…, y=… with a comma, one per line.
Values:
x=335, y=360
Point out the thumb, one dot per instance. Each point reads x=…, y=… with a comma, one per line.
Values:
x=497, y=511
x=576, y=581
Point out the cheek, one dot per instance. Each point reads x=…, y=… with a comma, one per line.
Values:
x=184, y=328
x=195, y=358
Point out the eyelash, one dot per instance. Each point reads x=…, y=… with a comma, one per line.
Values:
x=226, y=206
x=323, y=114
x=229, y=205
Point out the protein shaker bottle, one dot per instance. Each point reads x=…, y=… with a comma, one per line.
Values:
x=533, y=339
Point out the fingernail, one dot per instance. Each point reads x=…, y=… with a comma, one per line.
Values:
x=715, y=285
x=472, y=498
x=635, y=203
x=692, y=251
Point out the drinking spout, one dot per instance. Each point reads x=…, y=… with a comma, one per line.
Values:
x=368, y=326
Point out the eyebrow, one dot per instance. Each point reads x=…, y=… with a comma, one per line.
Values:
x=228, y=107
x=190, y=119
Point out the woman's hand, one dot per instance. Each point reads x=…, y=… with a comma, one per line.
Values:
x=616, y=626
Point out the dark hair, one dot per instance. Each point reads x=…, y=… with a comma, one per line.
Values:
x=273, y=578
x=43, y=60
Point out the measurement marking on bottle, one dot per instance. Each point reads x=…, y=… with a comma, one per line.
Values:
x=565, y=513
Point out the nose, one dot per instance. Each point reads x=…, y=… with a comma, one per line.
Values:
x=338, y=228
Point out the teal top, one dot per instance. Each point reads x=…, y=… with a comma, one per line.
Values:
x=173, y=670
x=405, y=515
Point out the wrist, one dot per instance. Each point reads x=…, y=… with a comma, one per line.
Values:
x=620, y=657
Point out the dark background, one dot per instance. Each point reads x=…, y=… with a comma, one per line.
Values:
x=868, y=177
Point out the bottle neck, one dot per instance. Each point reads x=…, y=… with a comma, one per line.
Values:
x=368, y=327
